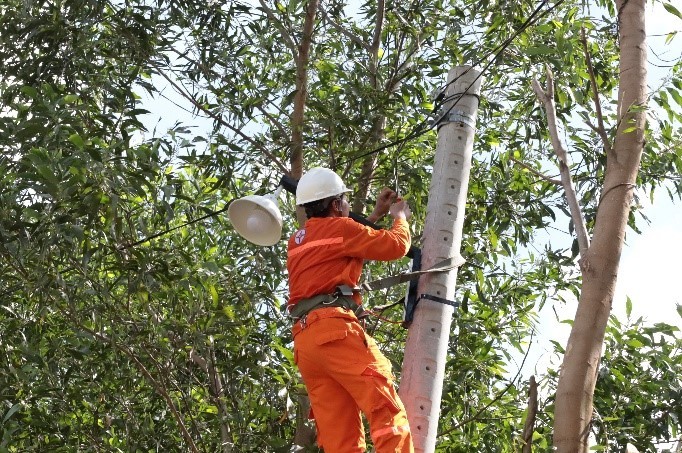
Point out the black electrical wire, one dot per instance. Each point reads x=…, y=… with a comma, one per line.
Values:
x=426, y=125
x=418, y=130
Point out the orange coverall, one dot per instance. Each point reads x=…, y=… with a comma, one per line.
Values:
x=344, y=371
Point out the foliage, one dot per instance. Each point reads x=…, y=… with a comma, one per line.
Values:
x=134, y=318
x=637, y=399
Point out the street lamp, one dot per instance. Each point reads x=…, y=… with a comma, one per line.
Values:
x=257, y=218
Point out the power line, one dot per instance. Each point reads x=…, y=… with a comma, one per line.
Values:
x=426, y=125
x=418, y=130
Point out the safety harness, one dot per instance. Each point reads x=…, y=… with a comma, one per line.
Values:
x=342, y=297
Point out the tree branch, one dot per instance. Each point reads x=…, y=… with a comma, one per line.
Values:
x=289, y=40
x=180, y=90
x=556, y=182
x=376, y=42
x=547, y=99
x=341, y=29
x=297, y=116
x=495, y=399
x=601, y=130
x=402, y=69
x=529, y=427
x=157, y=386
x=217, y=387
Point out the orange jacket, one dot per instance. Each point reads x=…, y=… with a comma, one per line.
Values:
x=329, y=251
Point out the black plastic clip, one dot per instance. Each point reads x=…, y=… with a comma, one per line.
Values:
x=440, y=300
x=411, y=299
x=345, y=290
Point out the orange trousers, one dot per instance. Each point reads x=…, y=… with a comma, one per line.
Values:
x=346, y=374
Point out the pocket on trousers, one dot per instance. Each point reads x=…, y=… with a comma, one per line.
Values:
x=379, y=371
x=383, y=393
x=328, y=337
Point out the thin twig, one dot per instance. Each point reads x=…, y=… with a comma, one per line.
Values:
x=496, y=398
x=601, y=130
x=556, y=182
x=341, y=29
x=219, y=119
x=158, y=387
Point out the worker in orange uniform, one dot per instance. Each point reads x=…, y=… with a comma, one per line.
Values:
x=343, y=370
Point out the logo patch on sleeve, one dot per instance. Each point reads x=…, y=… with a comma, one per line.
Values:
x=300, y=235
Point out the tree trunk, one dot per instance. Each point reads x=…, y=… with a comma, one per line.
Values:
x=300, y=98
x=529, y=427
x=573, y=411
x=298, y=115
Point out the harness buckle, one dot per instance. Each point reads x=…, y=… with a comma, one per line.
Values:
x=345, y=290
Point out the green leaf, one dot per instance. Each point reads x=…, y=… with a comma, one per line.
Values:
x=29, y=91
x=670, y=36
x=12, y=410
x=214, y=294
x=634, y=343
x=77, y=140
x=672, y=10
x=70, y=98
x=628, y=307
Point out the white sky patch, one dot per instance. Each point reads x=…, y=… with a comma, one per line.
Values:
x=650, y=266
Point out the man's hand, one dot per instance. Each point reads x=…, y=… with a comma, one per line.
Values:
x=386, y=197
x=400, y=210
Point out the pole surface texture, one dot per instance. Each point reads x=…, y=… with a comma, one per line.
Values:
x=421, y=384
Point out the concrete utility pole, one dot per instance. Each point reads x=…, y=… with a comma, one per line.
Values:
x=421, y=384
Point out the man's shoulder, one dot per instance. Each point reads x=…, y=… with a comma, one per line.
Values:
x=320, y=227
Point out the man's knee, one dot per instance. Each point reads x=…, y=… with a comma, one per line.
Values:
x=390, y=430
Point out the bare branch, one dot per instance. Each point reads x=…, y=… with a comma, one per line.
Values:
x=289, y=40
x=278, y=124
x=547, y=100
x=556, y=182
x=601, y=130
x=592, y=126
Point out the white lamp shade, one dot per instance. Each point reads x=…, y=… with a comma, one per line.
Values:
x=257, y=219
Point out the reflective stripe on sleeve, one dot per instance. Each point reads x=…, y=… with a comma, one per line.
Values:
x=318, y=243
x=392, y=430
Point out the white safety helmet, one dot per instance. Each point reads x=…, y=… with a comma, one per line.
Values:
x=317, y=184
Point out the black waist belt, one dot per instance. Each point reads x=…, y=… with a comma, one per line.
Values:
x=305, y=306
